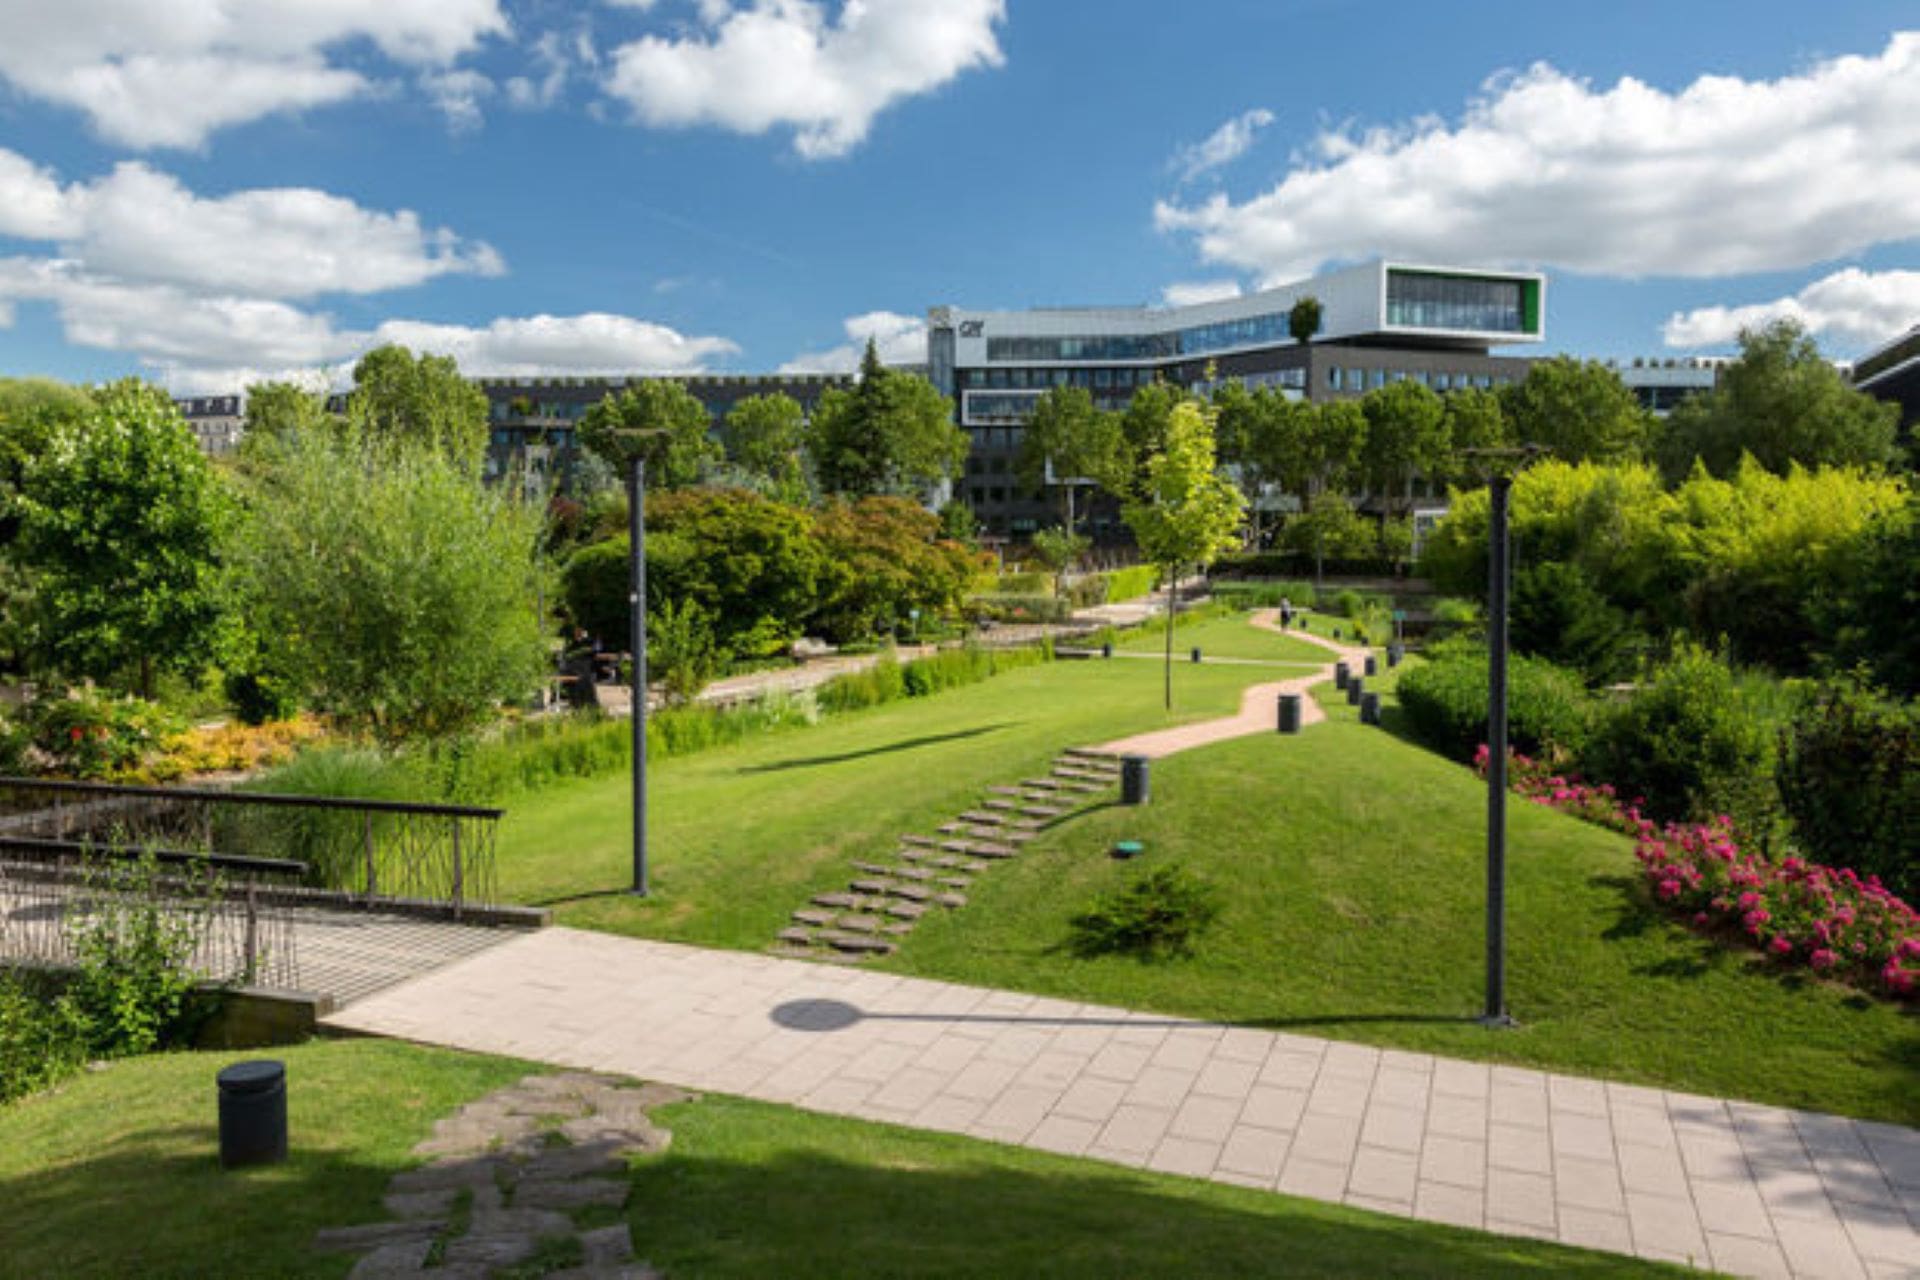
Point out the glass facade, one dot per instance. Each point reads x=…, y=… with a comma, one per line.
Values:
x=983, y=407
x=1421, y=301
x=1149, y=346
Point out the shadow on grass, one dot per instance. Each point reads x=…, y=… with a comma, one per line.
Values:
x=589, y=895
x=922, y=1208
x=888, y=748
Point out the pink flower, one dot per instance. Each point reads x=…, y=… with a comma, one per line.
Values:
x=1749, y=900
x=1780, y=946
x=1822, y=958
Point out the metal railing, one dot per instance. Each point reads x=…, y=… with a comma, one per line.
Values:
x=374, y=849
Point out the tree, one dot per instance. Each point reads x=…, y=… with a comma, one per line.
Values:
x=400, y=400
x=752, y=565
x=1059, y=550
x=123, y=518
x=1336, y=437
x=1406, y=438
x=958, y=524
x=1187, y=513
x=1303, y=321
x=1144, y=425
x=679, y=452
x=893, y=433
x=885, y=559
x=764, y=438
x=1474, y=421
x=1067, y=440
x=1266, y=438
x=1330, y=527
x=1580, y=409
x=1782, y=402
x=403, y=593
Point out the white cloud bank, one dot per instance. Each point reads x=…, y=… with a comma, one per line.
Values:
x=1724, y=177
x=899, y=340
x=1853, y=306
x=170, y=73
x=1188, y=293
x=1223, y=146
x=786, y=63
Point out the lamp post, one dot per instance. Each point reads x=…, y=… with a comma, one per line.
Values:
x=637, y=641
x=1503, y=463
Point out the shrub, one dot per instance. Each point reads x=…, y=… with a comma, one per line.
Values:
x=1088, y=590
x=1130, y=583
x=1255, y=594
x=888, y=681
x=1849, y=778
x=1032, y=582
x=1688, y=745
x=1158, y=914
x=133, y=944
x=85, y=733
x=43, y=1036
x=1445, y=702
x=682, y=651
x=1559, y=615
x=999, y=607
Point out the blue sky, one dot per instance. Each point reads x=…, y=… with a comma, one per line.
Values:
x=206, y=191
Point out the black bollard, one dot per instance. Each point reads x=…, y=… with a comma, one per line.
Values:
x=1106, y=650
x=1355, y=687
x=1369, y=708
x=1133, y=780
x=1289, y=713
x=1373, y=665
x=253, y=1113
x=1395, y=652
x=1341, y=674
x=1196, y=653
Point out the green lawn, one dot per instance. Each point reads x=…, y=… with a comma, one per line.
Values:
x=742, y=835
x=115, y=1174
x=1230, y=637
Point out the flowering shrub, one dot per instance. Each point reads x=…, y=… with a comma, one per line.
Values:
x=1830, y=919
x=86, y=733
x=226, y=748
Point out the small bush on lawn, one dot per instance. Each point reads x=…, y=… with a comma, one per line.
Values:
x=1445, y=702
x=1688, y=745
x=1849, y=778
x=43, y=1036
x=1130, y=583
x=1158, y=915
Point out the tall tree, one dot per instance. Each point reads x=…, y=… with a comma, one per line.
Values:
x=1580, y=409
x=893, y=433
x=765, y=439
x=1303, y=321
x=1066, y=441
x=1785, y=404
x=122, y=522
x=1264, y=436
x=276, y=413
x=1187, y=513
x=1406, y=438
x=1337, y=436
x=678, y=449
x=399, y=399
x=1474, y=421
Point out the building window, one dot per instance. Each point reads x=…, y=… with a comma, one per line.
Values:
x=1376, y=378
x=1333, y=377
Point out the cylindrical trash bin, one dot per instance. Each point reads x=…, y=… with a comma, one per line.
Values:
x=1373, y=665
x=253, y=1113
x=1289, y=713
x=1196, y=653
x=1369, y=708
x=1106, y=650
x=1341, y=674
x=1133, y=780
x=1355, y=687
x=1395, y=652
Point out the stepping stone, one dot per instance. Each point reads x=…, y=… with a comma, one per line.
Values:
x=1004, y=791
x=958, y=846
x=376, y=1235
x=595, y=1160
x=608, y=1246
x=911, y=892
x=899, y=929
x=988, y=849
x=906, y=910
x=1088, y=753
x=944, y=860
x=872, y=886
x=955, y=882
x=974, y=868
x=1042, y=784
x=454, y=1174
x=919, y=840
x=952, y=899
x=571, y=1194
x=914, y=853
x=391, y=1260
x=954, y=828
x=835, y=900
x=856, y=944
x=798, y=937
x=913, y=873
x=420, y=1204
x=1041, y=811
x=484, y=1253
x=813, y=916
x=871, y=868
x=980, y=818
x=860, y=924
x=532, y=1223
x=1000, y=803
x=1016, y=837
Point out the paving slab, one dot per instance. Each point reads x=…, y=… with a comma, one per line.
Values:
x=1753, y=1191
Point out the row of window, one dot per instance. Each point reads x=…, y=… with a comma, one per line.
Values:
x=1248, y=331
x=1425, y=301
x=1345, y=379
x=1091, y=379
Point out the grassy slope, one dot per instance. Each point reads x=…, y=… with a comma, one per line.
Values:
x=1228, y=638
x=742, y=835
x=116, y=1175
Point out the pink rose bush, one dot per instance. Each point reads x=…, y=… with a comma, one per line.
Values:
x=1830, y=919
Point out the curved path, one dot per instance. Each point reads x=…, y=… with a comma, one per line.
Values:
x=1257, y=712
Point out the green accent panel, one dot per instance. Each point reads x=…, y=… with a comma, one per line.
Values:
x=1530, y=305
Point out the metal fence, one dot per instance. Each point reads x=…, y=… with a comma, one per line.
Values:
x=373, y=849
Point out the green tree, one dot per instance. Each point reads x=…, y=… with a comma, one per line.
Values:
x=893, y=433
x=1303, y=320
x=1059, y=550
x=885, y=559
x=1144, y=426
x=1474, y=421
x=122, y=520
x=1580, y=409
x=678, y=449
x=1067, y=439
x=958, y=524
x=765, y=441
x=403, y=592
x=1187, y=513
x=1278, y=449
x=1406, y=438
x=401, y=400
x=752, y=564
x=30, y=410
x=1336, y=437
x=1783, y=403
x=1873, y=618
x=1329, y=526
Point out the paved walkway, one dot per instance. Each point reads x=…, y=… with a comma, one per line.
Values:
x=1258, y=710
x=1753, y=1190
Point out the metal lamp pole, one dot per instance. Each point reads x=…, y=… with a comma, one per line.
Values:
x=1500, y=488
x=637, y=642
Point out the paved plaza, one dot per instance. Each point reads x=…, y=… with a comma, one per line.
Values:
x=1753, y=1190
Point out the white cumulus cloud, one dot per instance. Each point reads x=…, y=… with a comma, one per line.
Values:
x=1723, y=177
x=592, y=343
x=1854, y=307
x=898, y=339
x=169, y=73
x=788, y=63
x=1223, y=146
x=1187, y=293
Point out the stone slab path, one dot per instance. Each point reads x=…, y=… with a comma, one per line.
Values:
x=1753, y=1190
x=1259, y=710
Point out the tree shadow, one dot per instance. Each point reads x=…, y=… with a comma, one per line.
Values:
x=889, y=748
